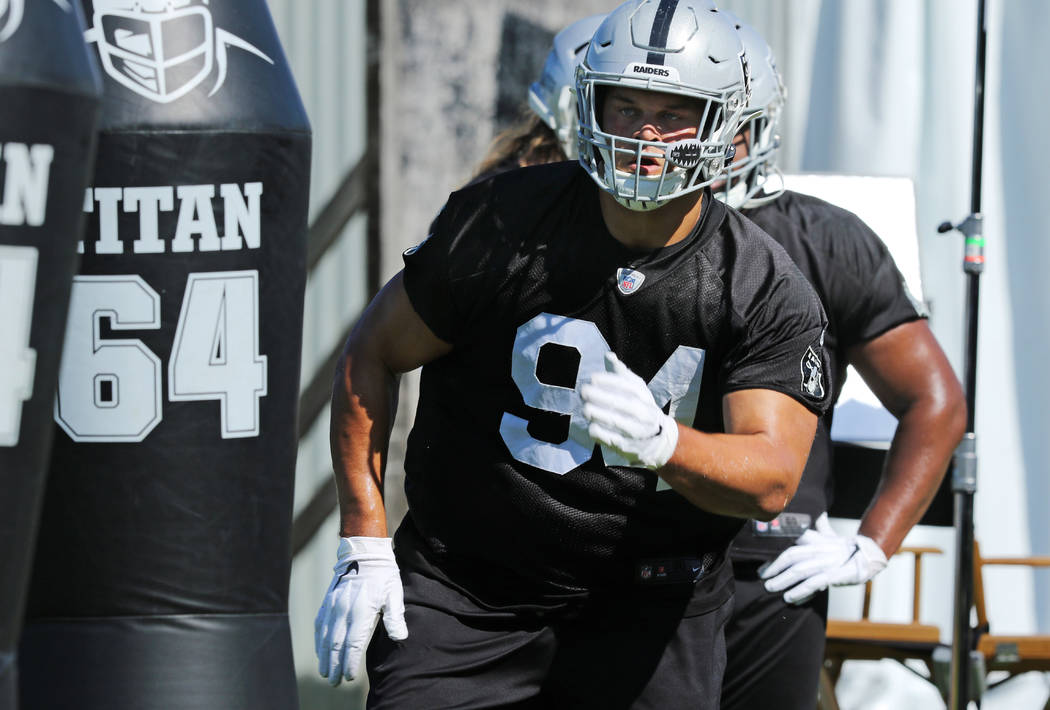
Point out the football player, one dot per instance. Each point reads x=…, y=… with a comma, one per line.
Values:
x=775, y=639
x=618, y=370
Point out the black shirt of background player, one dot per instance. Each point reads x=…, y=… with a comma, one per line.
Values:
x=504, y=252
x=864, y=295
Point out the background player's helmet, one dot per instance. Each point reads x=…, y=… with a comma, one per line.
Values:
x=553, y=96
x=160, y=49
x=749, y=176
x=681, y=47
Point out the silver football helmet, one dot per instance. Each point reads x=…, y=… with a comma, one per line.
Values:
x=552, y=97
x=684, y=47
x=757, y=172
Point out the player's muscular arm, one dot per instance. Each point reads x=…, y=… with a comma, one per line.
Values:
x=909, y=373
x=389, y=339
x=754, y=468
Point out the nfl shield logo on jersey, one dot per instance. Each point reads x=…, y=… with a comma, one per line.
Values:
x=628, y=280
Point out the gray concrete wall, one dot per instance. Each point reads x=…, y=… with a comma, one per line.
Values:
x=460, y=71
x=325, y=43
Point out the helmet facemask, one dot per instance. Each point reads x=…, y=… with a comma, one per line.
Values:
x=684, y=48
x=688, y=165
x=756, y=172
x=753, y=178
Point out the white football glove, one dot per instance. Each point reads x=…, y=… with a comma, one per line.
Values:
x=821, y=558
x=366, y=582
x=622, y=414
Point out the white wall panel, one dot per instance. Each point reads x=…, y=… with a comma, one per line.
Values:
x=325, y=41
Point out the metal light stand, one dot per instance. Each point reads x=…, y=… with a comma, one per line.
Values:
x=964, y=477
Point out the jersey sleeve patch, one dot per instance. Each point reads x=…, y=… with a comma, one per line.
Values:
x=812, y=367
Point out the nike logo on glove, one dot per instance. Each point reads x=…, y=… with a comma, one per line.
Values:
x=352, y=567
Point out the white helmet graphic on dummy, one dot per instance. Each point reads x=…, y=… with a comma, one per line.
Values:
x=682, y=47
x=10, y=17
x=757, y=172
x=162, y=49
x=552, y=97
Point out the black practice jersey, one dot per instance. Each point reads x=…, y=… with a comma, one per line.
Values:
x=864, y=295
x=515, y=502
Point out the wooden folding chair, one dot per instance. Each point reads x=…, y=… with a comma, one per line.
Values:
x=873, y=640
x=1014, y=654
x=857, y=471
x=868, y=640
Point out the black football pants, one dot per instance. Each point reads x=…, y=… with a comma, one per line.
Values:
x=774, y=650
x=615, y=654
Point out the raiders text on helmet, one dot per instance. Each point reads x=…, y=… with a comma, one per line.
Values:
x=552, y=96
x=683, y=47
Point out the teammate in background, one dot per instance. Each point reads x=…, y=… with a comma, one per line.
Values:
x=775, y=640
x=546, y=131
x=614, y=377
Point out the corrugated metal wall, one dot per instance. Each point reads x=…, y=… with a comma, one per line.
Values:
x=326, y=44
